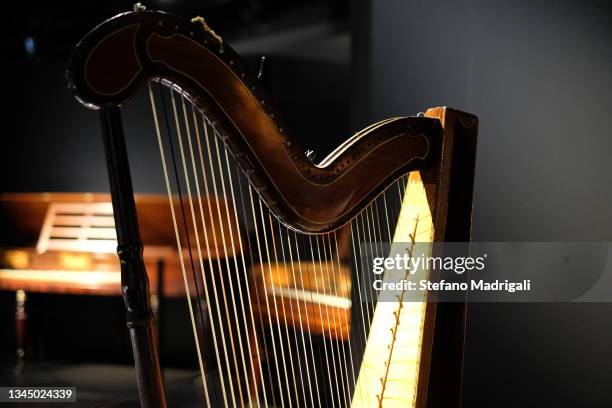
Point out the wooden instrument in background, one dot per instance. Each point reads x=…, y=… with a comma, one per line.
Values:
x=66, y=243
x=291, y=319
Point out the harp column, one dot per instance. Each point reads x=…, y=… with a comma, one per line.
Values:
x=134, y=280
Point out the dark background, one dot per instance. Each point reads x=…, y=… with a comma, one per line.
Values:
x=537, y=73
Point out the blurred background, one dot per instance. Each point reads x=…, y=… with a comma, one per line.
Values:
x=538, y=74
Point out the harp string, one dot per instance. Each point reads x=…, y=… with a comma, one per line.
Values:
x=291, y=312
x=289, y=347
x=376, y=240
x=325, y=329
x=364, y=312
x=391, y=212
x=219, y=219
x=294, y=280
x=265, y=296
x=193, y=217
x=230, y=273
x=350, y=338
x=215, y=243
x=365, y=218
x=332, y=337
x=372, y=221
x=252, y=384
x=179, y=246
x=366, y=258
x=275, y=303
x=331, y=279
x=308, y=318
x=341, y=326
x=211, y=271
x=320, y=344
x=371, y=248
x=189, y=196
x=248, y=291
x=400, y=186
x=206, y=238
x=384, y=199
x=376, y=219
x=184, y=224
x=324, y=337
x=245, y=214
x=357, y=334
x=194, y=167
x=369, y=228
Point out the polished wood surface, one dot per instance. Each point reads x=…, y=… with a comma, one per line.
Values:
x=23, y=215
x=140, y=319
x=442, y=369
x=78, y=273
x=308, y=197
x=75, y=271
x=311, y=296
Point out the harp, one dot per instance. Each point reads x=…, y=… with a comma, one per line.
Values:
x=282, y=309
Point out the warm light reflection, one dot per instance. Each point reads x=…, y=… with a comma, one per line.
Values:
x=74, y=261
x=318, y=277
x=310, y=296
x=390, y=367
x=92, y=278
x=16, y=259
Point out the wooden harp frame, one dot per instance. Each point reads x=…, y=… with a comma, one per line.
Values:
x=122, y=54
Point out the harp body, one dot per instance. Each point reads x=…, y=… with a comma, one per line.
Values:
x=301, y=221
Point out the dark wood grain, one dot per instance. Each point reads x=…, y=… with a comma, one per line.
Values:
x=307, y=197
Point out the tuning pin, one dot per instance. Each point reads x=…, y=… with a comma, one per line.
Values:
x=261, y=67
x=139, y=7
x=310, y=154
